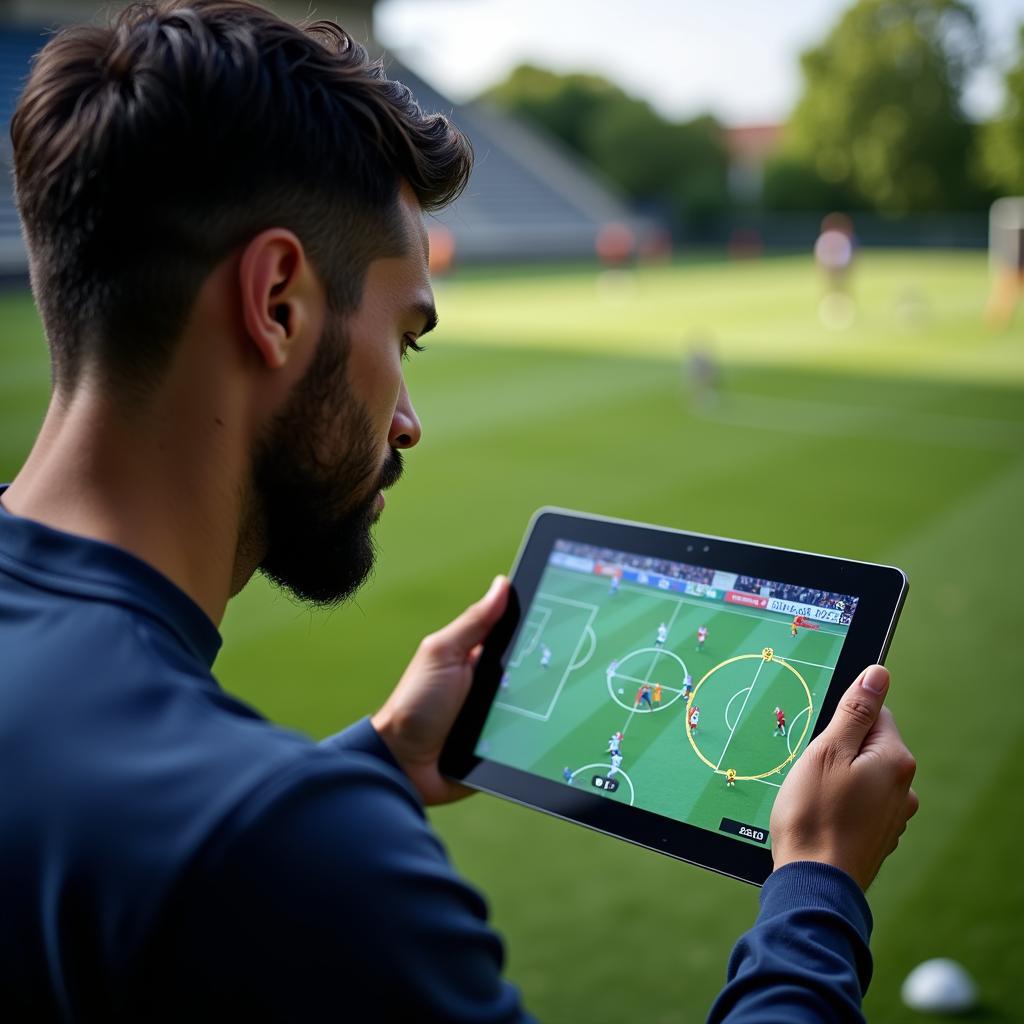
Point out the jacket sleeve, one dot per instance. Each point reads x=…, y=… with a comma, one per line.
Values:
x=360, y=737
x=330, y=897
x=806, y=959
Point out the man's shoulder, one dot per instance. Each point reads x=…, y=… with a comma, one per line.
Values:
x=137, y=771
x=117, y=729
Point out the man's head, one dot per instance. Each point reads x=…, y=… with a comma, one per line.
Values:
x=194, y=137
x=322, y=462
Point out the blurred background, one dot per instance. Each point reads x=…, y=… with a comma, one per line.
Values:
x=746, y=269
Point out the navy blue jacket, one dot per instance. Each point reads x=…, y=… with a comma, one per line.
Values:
x=166, y=853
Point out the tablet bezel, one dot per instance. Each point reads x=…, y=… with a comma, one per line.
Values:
x=881, y=590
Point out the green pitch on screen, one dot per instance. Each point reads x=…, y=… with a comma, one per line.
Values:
x=603, y=649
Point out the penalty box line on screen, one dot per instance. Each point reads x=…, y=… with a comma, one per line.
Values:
x=587, y=629
x=538, y=629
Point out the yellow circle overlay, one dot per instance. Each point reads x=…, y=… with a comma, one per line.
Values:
x=763, y=656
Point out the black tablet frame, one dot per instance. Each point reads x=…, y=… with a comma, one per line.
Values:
x=881, y=591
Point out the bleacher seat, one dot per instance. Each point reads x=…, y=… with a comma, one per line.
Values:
x=527, y=196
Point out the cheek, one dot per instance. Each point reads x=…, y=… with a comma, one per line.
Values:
x=376, y=380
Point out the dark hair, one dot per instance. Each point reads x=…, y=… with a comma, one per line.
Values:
x=146, y=151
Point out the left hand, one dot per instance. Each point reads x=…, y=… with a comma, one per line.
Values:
x=419, y=714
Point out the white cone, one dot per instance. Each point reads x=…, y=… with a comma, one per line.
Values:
x=939, y=986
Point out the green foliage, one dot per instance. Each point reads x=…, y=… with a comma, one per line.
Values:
x=677, y=168
x=880, y=119
x=562, y=105
x=792, y=184
x=1002, y=143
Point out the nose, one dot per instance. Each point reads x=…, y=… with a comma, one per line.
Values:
x=405, y=424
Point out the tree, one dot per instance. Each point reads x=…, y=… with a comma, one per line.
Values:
x=880, y=120
x=680, y=169
x=1002, y=147
x=792, y=184
x=562, y=105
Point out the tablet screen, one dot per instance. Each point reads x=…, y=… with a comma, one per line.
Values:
x=678, y=689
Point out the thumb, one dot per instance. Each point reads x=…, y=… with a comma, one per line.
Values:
x=858, y=710
x=471, y=628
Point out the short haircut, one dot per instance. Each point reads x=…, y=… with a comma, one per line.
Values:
x=146, y=151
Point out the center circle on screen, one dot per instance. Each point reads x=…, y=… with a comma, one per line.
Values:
x=637, y=679
x=762, y=656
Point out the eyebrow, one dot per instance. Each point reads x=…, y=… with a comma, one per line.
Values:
x=429, y=311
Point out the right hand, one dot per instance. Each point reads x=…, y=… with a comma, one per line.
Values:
x=848, y=799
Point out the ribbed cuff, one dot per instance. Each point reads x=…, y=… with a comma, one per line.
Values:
x=812, y=884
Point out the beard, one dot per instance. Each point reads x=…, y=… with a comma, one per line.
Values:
x=316, y=476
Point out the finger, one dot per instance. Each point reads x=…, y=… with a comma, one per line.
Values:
x=858, y=711
x=472, y=626
x=913, y=804
x=883, y=734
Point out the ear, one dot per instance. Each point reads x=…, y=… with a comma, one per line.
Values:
x=277, y=292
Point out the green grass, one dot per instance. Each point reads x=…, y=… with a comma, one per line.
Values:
x=900, y=441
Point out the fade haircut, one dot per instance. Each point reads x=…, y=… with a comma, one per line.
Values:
x=146, y=151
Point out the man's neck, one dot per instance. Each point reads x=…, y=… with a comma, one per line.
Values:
x=165, y=487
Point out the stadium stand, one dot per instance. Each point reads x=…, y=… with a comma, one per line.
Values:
x=17, y=45
x=527, y=198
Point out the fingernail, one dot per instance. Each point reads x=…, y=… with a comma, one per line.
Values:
x=495, y=583
x=874, y=679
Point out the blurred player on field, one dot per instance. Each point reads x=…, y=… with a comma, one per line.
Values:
x=613, y=587
x=797, y=622
x=615, y=744
x=730, y=776
x=662, y=635
x=701, y=374
x=567, y=774
x=780, y=722
x=694, y=719
x=833, y=252
x=545, y=656
x=657, y=693
x=702, y=635
x=616, y=763
x=643, y=696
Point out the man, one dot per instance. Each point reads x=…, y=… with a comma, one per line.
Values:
x=702, y=635
x=616, y=765
x=643, y=696
x=780, y=722
x=662, y=635
x=615, y=743
x=224, y=222
x=545, y=656
x=694, y=720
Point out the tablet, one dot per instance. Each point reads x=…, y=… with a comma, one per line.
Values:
x=658, y=685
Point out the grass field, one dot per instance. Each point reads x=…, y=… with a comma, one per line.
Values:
x=900, y=440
